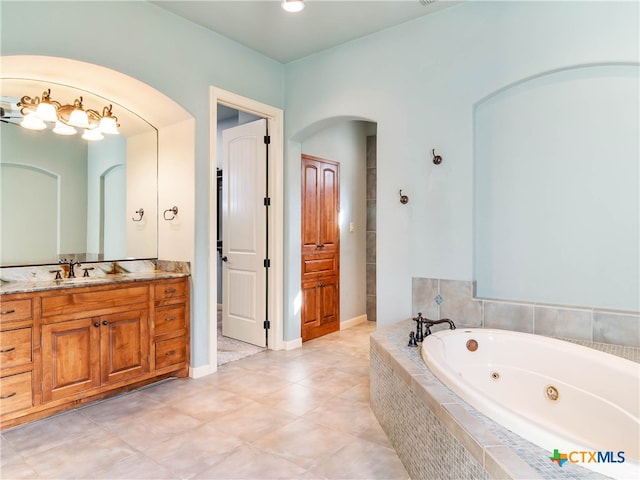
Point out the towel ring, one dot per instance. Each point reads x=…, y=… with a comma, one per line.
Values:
x=174, y=210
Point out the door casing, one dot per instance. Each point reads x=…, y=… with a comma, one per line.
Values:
x=275, y=116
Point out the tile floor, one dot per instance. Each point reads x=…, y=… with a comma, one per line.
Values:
x=302, y=414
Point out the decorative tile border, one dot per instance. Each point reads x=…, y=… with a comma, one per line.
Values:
x=454, y=299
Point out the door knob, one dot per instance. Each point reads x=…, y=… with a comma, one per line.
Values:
x=224, y=259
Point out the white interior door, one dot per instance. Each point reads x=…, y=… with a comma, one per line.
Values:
x=244, y=232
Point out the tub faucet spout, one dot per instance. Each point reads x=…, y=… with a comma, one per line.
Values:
x=430, y=323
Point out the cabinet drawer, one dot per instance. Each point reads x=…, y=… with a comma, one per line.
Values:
x=87, y=301
x=15, y=392
x=325, y=264
x=167, y=290
x=15, y=347
x=169, y=319
x=14, y=310
x=170, y=352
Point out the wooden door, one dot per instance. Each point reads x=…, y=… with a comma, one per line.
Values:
x=320, y=247
x=244, y=232
x=124, y=345
x=70, y=357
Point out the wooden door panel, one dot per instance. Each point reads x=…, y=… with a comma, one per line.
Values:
x=328, y=234
x=310, y=209
x=309, y=311
x=71, y=358
x=329, y=301
x=125, y=351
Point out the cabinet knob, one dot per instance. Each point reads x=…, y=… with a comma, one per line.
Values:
x=7, y=312
x=13, y=394
x=96, y=324
x=6, y=350
x=170, y=290
x=104, y=322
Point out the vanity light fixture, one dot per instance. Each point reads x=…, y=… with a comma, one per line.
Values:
x=37, y=111
x=292, y=6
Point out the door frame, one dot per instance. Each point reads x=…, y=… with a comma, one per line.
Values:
x=275, y=118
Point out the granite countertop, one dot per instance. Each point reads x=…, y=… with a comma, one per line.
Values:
x=39, y=278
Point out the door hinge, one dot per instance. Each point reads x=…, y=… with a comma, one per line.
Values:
x=267, y=201
x=267, y=263
x=267, y=139
x=267, y=324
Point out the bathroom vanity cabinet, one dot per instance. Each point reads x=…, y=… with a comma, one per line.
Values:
x=64, y=347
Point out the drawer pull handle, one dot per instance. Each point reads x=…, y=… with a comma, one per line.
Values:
x=169, y=319
x=8, y=396
x=7, y=312
x=6, y=350
x=170, y=290
x=172, y=352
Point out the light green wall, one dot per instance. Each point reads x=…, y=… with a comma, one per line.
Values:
x=176, y=57
x=420, y=82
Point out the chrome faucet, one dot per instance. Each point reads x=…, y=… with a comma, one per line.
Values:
x=72, y=264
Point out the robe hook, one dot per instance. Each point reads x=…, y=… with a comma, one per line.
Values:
x=437, y=159
x=138, y=212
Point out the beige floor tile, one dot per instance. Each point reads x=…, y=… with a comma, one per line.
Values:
x=135, y=467
x=361, y=460
x=302, y=442
x=80, y=457
x=249, y=462
x=297, y=414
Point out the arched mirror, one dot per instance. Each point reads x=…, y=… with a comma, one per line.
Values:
x=62, y=196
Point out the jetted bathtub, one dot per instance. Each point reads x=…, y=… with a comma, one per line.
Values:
x=558, y=395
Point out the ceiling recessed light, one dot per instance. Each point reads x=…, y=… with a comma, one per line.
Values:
x=292, y=5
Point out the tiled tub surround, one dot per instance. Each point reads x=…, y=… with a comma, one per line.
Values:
x=454, y=299
x=37, y=278
x=436, y=434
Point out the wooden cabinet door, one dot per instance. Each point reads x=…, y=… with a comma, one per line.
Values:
x=321, y=205
x=70, y=357
x=124, y=345
x=320, y=307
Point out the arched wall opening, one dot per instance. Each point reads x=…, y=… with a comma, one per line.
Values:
x=347, y=140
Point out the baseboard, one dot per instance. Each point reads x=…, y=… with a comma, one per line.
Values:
x=352, y=322
x=292, y=344
x=203, y=371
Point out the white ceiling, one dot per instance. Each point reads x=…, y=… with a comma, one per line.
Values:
x=264, y=27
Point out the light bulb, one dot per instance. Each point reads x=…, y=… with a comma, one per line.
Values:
x=108, y=126
x=47, y=112
x=79, y=118
x=32, y=122
x=292, y=6
x=93, y=134
x=62, y=129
